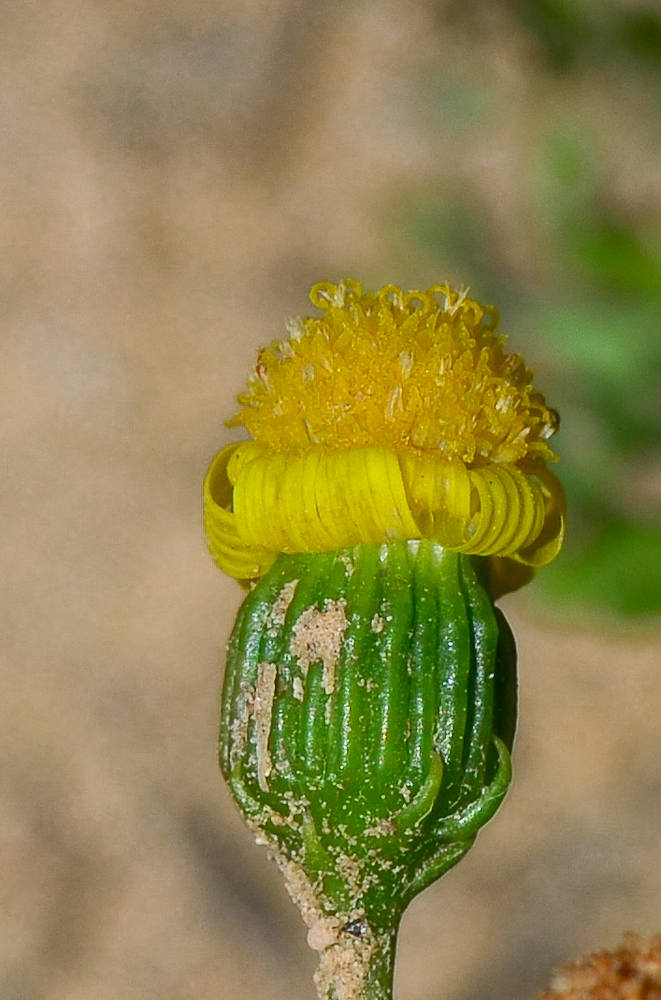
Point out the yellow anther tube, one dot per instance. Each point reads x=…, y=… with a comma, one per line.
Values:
x=259, y=502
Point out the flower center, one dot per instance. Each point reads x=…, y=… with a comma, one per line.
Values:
x=408, y=370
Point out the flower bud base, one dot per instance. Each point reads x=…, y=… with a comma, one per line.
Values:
x=367, y=716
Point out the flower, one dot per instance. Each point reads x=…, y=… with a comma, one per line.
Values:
x=630, y=972
x=394, y=416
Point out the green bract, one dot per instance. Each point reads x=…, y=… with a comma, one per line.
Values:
x=367, y=716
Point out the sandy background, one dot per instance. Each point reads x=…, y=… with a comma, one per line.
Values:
x=173, y=177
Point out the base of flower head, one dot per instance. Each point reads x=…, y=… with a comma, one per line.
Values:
x=368, y=711
x=260, y=502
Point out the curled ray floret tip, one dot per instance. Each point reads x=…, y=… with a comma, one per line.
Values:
x=394, y=415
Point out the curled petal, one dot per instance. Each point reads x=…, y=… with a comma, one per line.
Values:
x=320, y=500
x=227, y=547
x=259, y=502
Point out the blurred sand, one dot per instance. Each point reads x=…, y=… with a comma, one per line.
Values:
x=173, y=178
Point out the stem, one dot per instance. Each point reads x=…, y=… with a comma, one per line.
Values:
x=358, y=968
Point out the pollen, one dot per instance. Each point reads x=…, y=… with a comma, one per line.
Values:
x=406, y=370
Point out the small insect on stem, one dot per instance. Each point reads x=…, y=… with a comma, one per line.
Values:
x=355, y=927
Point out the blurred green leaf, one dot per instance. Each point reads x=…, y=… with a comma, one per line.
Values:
x=607, y=358
x=573, y=32
x=565, y=176
x=560, y=27
x=619, y=572
x=616, y=258
x=640, y=32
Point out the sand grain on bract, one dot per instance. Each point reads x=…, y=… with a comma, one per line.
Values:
x=278, y=610
x=318, y=636
x=262, y=712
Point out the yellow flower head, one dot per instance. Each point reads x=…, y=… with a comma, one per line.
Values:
x=395, y=415
x=407, y=370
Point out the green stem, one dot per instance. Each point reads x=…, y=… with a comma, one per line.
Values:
x=358, y=967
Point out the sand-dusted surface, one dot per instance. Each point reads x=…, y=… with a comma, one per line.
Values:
x=173, y=177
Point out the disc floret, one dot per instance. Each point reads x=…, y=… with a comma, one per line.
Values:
x=423, y=370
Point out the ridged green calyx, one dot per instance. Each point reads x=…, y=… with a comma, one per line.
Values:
x=368, y=713
x=396, y=485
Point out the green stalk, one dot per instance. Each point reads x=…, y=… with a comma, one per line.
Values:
x=358, y=969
